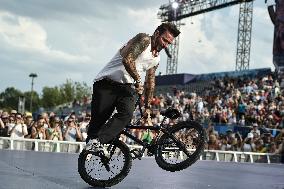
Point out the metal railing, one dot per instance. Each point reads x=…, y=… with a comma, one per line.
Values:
x=77, y=147
x=237, y=156
x=40, y=145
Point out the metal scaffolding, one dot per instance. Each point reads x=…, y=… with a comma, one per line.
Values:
x=173, y=49
x=188, y=8
x=244, y=36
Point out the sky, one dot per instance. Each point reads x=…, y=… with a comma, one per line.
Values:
x=60, y=40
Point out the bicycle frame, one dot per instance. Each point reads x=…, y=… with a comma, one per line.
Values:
x=165, y=144
x=138, y=126
x=144, y=144
x=159, y=128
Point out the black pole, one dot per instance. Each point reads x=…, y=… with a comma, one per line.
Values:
x=32, y=75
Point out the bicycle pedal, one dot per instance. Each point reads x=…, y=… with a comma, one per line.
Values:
x=136, y=154
x=150, y=154
x=151, y=150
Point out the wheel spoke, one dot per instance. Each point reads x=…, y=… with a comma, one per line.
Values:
x=100, y=170
x=180, y=147
x=90, y=171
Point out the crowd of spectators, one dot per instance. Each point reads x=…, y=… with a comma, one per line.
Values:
x=255, y=103
x=46, y=126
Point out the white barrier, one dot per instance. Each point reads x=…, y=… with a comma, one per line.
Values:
x=236, y=156
x=77, y=147
x=40, y=145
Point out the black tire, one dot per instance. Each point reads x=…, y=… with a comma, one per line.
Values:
x=192, y=135
x=119, y=165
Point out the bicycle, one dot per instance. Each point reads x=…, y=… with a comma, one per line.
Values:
x=175, y=148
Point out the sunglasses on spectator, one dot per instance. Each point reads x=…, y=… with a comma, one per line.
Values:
x=18, y=118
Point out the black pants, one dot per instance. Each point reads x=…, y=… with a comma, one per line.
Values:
x=108, y=96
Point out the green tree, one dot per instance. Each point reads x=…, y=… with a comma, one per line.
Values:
x=71, y=91
x=36, y=100
x=10, y=98
x=67, y=91
x=51, y=97
x=82, y=90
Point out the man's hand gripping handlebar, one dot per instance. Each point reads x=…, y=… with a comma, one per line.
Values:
x=146, y=114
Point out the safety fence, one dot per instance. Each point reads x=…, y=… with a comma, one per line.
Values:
x=77, y=147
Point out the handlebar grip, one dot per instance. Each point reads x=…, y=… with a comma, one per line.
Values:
x=138, y=103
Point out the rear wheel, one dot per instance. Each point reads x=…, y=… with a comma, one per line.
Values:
x=182, y=147
x=105, y=169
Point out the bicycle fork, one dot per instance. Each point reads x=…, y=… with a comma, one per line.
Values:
x=105, y=158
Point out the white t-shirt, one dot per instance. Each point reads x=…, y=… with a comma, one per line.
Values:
x=18, y=131
x=248, y=147
x=116, y=71
x=255, y=131
x=200, y=106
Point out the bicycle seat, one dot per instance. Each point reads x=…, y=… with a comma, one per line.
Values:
x=171, y=113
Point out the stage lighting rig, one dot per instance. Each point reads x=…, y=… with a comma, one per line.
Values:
x=177, y=10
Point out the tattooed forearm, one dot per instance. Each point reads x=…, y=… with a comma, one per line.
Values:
x=130, y=67
x=149, y=86
x=131, y=51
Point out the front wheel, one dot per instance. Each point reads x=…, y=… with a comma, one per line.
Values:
x=105, y=169
x=181, y=147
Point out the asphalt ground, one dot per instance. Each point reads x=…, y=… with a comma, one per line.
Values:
x=43, y=170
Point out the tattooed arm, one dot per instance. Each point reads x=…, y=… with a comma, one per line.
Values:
x=149, y=86
x=131, y=51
